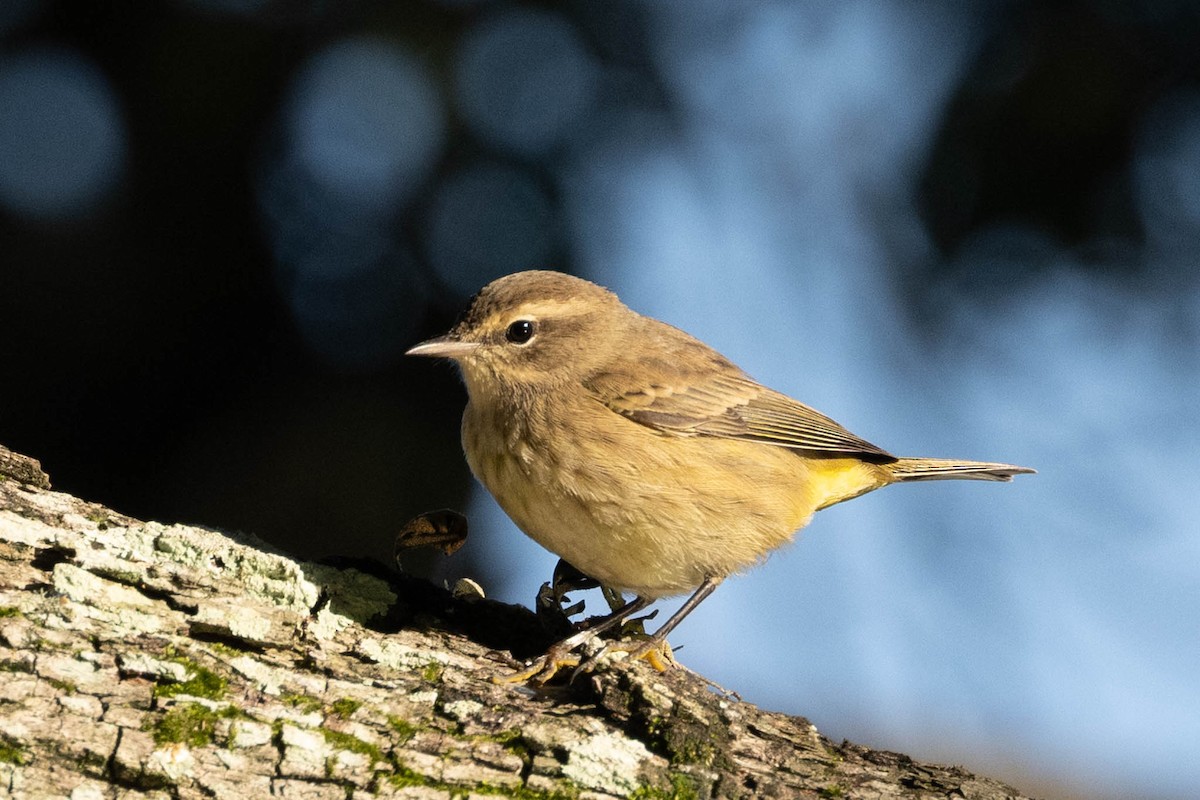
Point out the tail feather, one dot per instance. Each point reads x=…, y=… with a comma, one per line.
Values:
x=934, y=469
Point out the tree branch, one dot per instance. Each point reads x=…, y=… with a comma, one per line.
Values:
x=143, y=659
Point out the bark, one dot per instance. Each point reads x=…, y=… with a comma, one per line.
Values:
x=147, y=660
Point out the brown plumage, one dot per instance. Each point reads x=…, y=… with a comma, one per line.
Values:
x=637, y=453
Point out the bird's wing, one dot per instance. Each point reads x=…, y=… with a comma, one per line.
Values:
x=721, y=401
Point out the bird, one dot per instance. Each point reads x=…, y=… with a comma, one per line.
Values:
x=641, y=456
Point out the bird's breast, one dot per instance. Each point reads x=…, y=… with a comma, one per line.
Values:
x=534, y=467
x=631, y=507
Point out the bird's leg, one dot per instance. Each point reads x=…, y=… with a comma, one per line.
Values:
x=560, y=655
x=653, y=649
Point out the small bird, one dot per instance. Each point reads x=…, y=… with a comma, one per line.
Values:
x=640, y=455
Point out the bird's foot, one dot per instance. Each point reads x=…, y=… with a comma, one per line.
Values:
x=654, y=650
x=543, y=668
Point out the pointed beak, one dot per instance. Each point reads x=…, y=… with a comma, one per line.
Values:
x=443, y=347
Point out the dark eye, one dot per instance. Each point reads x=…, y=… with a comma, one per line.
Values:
x=520, y=331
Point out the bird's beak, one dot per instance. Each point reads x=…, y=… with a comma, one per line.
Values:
x=443, y=347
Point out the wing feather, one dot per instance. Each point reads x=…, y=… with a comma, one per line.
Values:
x=721, y=401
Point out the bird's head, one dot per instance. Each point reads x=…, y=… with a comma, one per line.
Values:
x=532, y=329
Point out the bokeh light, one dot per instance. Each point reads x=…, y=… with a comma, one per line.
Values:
x=361, y=131
x=365, y=122
x=62, y=139
x=524, y=81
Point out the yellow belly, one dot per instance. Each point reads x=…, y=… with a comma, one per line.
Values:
x=650, y=513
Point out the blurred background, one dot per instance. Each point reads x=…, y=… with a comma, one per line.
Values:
x=962, y=229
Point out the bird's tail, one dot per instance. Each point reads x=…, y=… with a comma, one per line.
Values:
x=934, y=469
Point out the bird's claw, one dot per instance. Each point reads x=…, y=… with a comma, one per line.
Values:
x=654, y=651
x=543, y=668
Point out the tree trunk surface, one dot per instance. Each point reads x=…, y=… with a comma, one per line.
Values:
x=168, y=661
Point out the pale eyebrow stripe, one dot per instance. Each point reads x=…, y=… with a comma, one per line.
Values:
x=541, y=307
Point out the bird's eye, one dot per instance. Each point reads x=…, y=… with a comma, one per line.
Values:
x=520, y=332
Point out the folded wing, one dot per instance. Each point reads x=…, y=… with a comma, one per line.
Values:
x=726, y=403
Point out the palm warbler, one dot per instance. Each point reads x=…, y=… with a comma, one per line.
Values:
x=640, y=455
